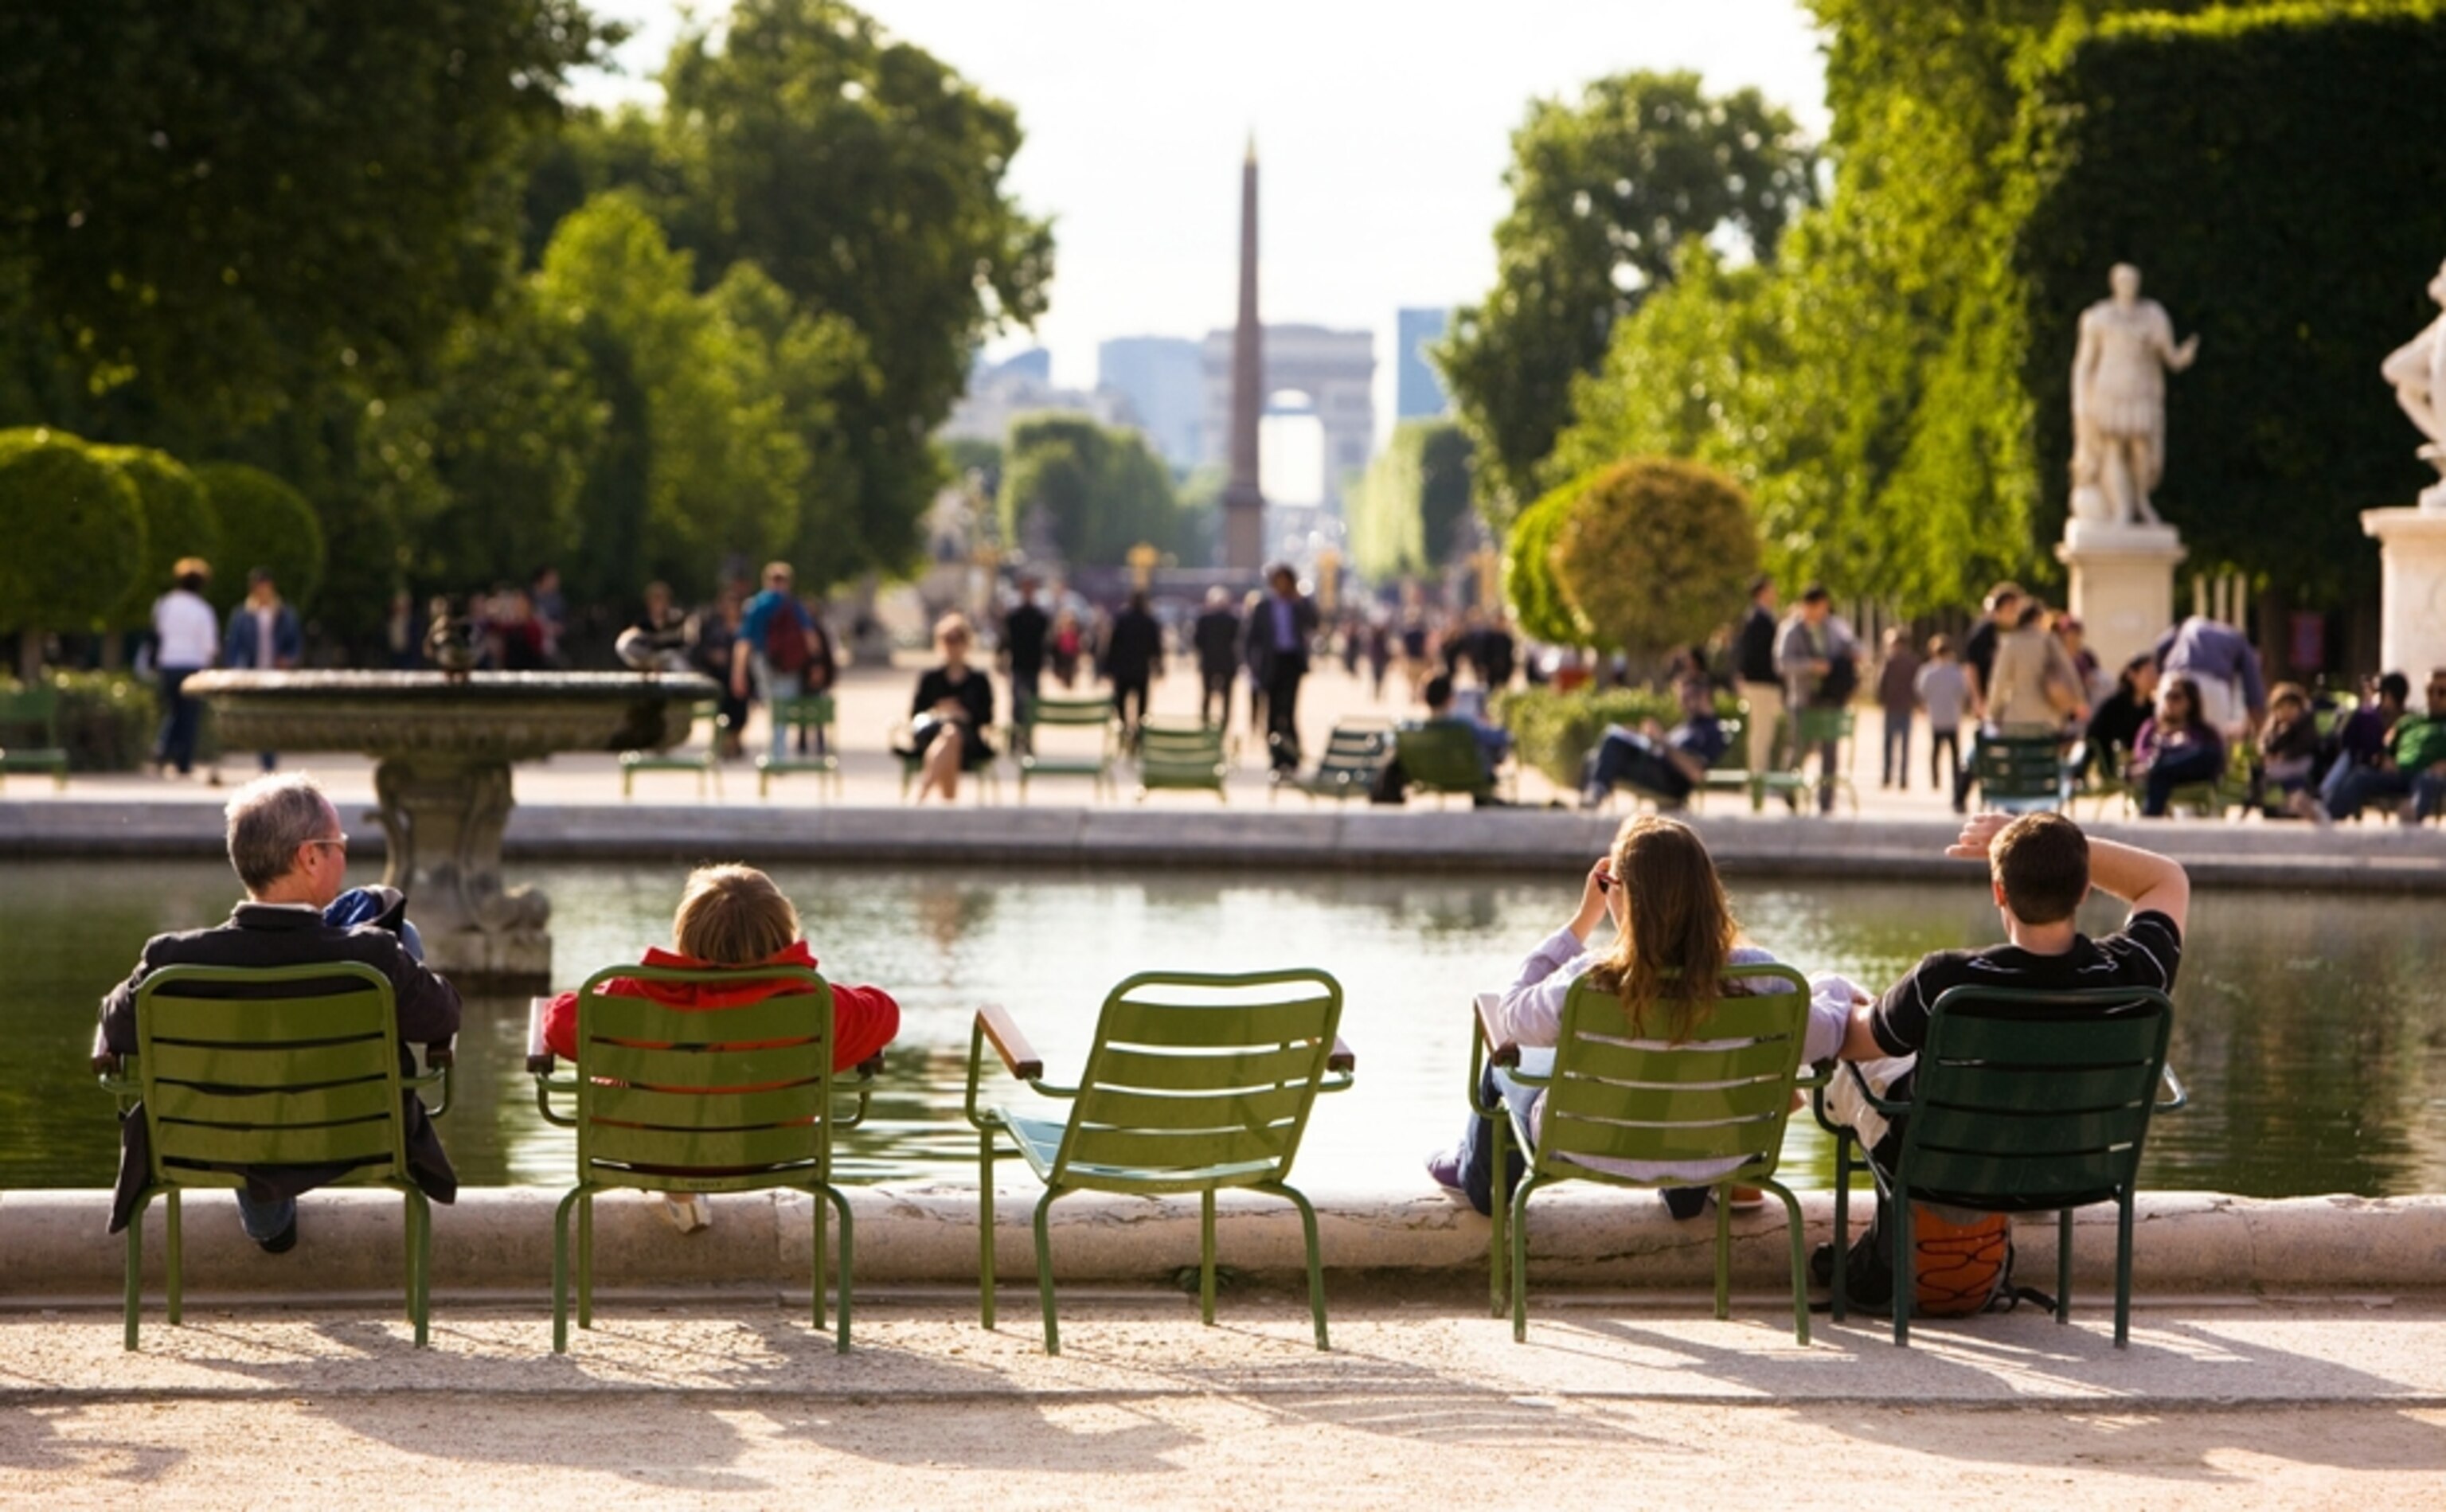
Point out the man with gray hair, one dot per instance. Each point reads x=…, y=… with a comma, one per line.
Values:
x=287, y=847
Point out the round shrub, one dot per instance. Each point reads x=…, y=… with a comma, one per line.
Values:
x=264, y=523
x=1528, y=581
x=75, y=533
x=1655, y=552
x=178, y=521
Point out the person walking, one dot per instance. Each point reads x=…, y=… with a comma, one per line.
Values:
x=1280, y=632
x=1024, y=632
x=186, y=638
x=775, y=645
x=263, y=636
x=1808, y=650
x=1943, y=692
x=1898, y=699
x=1754, y=645
x=1217, y=636
x=1133, y=658
x=2002, y=610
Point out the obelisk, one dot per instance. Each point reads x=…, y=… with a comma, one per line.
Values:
x=1244, y=501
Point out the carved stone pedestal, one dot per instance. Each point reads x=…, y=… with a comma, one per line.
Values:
x=442, y=817
x=2122, y=585
x=2412, y=590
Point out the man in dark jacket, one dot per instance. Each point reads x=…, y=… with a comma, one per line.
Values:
x=285, y=845
x=1218, y=637
x=1023, y=632
x=1280, y=631
x=1133, y=658
x=1761, y=685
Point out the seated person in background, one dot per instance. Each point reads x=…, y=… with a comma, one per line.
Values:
x=2361, y=739
x=1494, y=741
x=285, y=845
x=2414, y=768
x=2040, y=868
x=2175, y=747
x=734, y=917
x=952, y=709
x=657, y=639
x=1652, y=913
x=2288, y=750
x=1665, y=764
x=2114, y=725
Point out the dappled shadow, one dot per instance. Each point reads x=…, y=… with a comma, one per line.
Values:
x=42, y=1439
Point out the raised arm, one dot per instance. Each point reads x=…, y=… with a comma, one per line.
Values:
x=2144, y=878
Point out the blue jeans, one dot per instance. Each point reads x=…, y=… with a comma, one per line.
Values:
x=1626, y=756
x=2202, y=763
x=2356, y=786
x=176, y=746
x=772, y=685
x=265, y=1219
x=1477, y=1139
x=1896, y=772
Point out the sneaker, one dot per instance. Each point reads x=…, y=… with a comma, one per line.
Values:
x=282, y=1243
x=1443, y=1168
x=688, y=1212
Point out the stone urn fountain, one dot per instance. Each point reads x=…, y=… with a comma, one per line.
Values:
x=443, y=747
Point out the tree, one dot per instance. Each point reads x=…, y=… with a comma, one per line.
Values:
x=1528, y=582
x=1604, y=192
x=866, y=179
x=1408, y=512
x=179, y=522
x=213, y=198
x=75, y=531
x=1102, y=491
x=1654, y=554
x=264, y=523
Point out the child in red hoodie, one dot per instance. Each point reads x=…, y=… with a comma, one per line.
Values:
x=734, y=917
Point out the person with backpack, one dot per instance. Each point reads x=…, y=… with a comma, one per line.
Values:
x=2040, y=868
x=776, y=642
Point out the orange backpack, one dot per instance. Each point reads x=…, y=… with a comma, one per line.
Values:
x=1959, y=1268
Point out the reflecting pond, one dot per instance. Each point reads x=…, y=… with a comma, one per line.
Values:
x=2311, y=1028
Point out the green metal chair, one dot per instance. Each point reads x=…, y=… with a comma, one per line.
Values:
x=1730, y=772
x=1353, y=759
x=240, y=1067
x=1444, y=757
x=2021, y=1102
x=2020, y=770
x=2232, y=788
x=704, y=762
x=1799, y=735
x=1197, y=1082
x=34, y=708
x=663, y=1106
x=1186, y=756
x=1095, y=762
x=811, y=716
x=1615, y=1098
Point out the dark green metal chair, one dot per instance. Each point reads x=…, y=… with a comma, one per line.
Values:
x=713, y=1099
x=1614, y=1098
x=1444, y=757
x=2020, y=770
x=1181, y=756
x=1197, y=1082
x=1072, y=756
x=811, y=716
x=1800, y=735
x=241, y=1067
x=1354, y=757
x=2021, y=1102
x=30, y=735
x=1730, y=772
x=705, y=762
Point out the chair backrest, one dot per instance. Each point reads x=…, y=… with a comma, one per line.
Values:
x=1722, y=1092
x=707, y=1099
x=35, y=706
x=1070, y=711
x=270, y=1066
x=810, y=712
x=1442, y=757
x=1816, y=725
x=1199, y=1080
x=1356, y=751
x=2030, y=1100
x=2019, y=770
x=1171, y=752
x=1736, y=755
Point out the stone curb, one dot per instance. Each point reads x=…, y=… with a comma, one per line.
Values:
x=497, y=1239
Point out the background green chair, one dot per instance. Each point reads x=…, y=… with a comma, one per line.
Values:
x=1077, y=753
x=238, y=1067
x=1730, y=772
x=1181, y=756
x=1652, y=1100
x=1444, y=758
x=716, y=1100
x=30, y=735
x=2019, y=770
x=2021, y=1102
x=705, y=762
x=1354, y=757
x=1799, y=735
x=1197, y=1082
x=811, y=716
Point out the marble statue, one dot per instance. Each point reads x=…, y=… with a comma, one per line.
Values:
x=2118, y=403
x=2418, y=370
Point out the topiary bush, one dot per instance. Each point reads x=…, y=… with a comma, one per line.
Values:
x=1654, y=554
x=107, y=721
x=178, y=521
x=75, y=536
x=264, y=523
x=1537, y=600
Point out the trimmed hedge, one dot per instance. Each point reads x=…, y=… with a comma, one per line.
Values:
x=1555, y=731
x=107, y=721
x=264, y=523
x=75, y=533
x=178, y=521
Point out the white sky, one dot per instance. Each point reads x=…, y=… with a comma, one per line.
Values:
x=1383, y=129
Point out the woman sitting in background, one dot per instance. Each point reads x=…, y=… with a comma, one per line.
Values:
x=2175, y=747
x=2288, y=752
x=951, y=711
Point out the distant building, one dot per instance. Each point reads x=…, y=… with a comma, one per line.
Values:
x=1420, y=388
x=1001, y=392
x=1334, y=370
x=1035, y=363
x=1162, y=379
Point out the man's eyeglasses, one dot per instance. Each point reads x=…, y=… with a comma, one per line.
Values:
x=341, y=843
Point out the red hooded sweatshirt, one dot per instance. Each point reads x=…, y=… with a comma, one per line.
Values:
x=864, y=1018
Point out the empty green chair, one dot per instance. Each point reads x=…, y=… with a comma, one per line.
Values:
x=705, y=762
x=1085, y=740
x=1195, y=1082
x=1181, y=756
x=1802, y=733
x=1353, y=759
x=1730, y=772
x=30, y=735
x=2020, y=771
x=239, y=1066
x=706, y=1100
x=2021, y=1102
x=812, y=717
x=1444, y=757
x=1653, y=1099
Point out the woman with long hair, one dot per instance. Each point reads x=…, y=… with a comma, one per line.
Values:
x=1652, y=914
x=2175, y=747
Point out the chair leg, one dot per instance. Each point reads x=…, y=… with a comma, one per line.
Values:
x=136, y=1271
x=1044, y=1271
x=2063, y=1266
x=1499, y=1248
x=420, y=1264
x=586, y=1260
x=174, y=1279
x=986, y=1227
x=1905, y=1267
x=1723, y=1253
x=560, y=1271
x=2123, y=1270
x=1520, y=1260
x=840, y=1201
x=1315, y=1258
x=1837, y=1306
x=1799, y=1261
x=820, y=1217
x=1206, y=1257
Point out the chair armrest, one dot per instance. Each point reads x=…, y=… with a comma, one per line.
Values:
x=1018, y=1056
x=2182, y=1095
x=539, y=1058
x=441, y=1055
x=1500, y=1051
x=872, y=1066
x=106, y=1060
x=1343, y=1058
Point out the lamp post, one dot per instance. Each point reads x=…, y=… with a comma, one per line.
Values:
x=1142, y=559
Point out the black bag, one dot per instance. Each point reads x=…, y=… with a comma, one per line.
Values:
x=1842, y=680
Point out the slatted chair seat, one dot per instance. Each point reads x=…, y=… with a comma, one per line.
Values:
x=813, y=717
x=665, y=1099
x=1723, y=1094
x=2020, y=770
x=1353, y=759
x=705, y=762
x=1072, y=750
x=1195, y=1082
x=30, y=735
x=290, y=1066
x=1185, y=757
x=2021, y=1102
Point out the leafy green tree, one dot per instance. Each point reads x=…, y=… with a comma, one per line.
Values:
x=1102, y=491
x=1407, y=514
x=264, y=523
x=1655, y=552
x=1528, y=582
x=1604, y=190
x=76, y=538
x=179, y=522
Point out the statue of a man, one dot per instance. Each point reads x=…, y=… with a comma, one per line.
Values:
x=2417, y=369
x=2118, y=401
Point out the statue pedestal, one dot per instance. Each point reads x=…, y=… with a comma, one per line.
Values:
x=2412, y=591
x=2122, y=585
